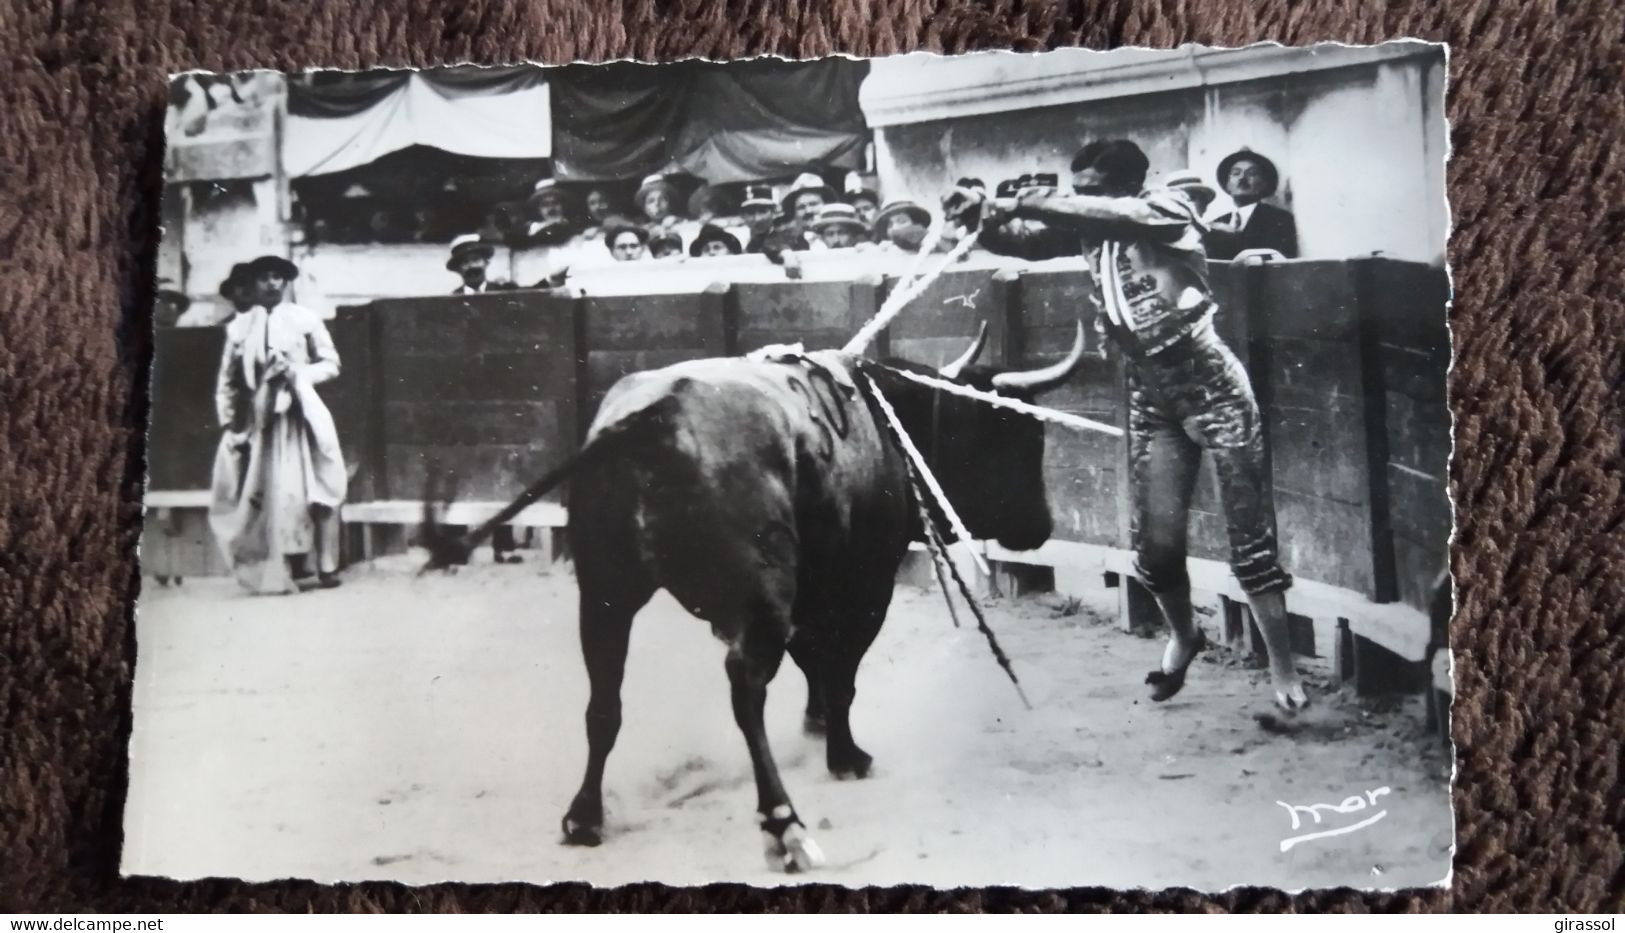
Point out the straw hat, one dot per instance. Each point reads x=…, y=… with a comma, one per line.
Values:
x=891, y=209
x=839, y=215
x=805, y=182
x=469, y=244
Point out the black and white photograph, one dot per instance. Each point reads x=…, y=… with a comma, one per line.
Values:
x=1004, y=468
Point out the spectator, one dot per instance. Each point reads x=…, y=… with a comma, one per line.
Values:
x=626, y=243
x=838, y=227
x=471, y=259
x=863, y=199
x=715, y=241
x=600, y=211
x=238, y=289
x=759, y=211
x=901, y=226
x=550, y=215
x=657, y=199
x=170, y=304
x=806, y=195
x=664, y=244
x=1248, y=178
x=279, y=474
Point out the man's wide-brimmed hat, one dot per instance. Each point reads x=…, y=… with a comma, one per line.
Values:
x=711, y=233
x=469, y=244
x=273, y=264
x=1272, y=175
x=839, y=215
x=805, y=182
x=239, y=277
x=891, y=209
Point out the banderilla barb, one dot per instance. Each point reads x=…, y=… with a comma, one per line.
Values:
x=937, y=546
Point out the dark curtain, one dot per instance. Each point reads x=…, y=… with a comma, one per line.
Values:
x=732, y=122
x=724, y=123
x=329, y=99
x=616, y=120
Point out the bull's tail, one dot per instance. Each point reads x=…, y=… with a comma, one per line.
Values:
x=447, y=550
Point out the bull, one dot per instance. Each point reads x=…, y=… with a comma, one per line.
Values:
x=771, y=500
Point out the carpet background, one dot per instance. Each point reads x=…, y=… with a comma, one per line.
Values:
x=1537, y=116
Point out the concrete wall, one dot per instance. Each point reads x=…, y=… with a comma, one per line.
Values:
x=1361, y=148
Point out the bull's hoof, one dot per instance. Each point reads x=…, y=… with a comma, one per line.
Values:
x=1292, y=699
x=787, y=846
x=813, y=724
x=582, y=835
x=852, y=764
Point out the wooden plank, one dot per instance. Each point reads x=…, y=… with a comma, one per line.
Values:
x=1307, y=299
x=474, y=423
x=819, y=315
x=176, y=499
x=1320, y=452
x=410, y=512
x=1137, y=609
x=940, y=323
x=1408, y=301
x=1325, y=540
x=657, y=322
x=1402, y=629
x=184, y=429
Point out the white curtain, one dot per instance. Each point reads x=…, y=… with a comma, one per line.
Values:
x=501, y=120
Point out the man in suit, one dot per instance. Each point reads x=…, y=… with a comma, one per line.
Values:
x=470, y=258
x=1249, y=178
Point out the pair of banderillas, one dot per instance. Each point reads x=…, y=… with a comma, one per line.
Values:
x=911, y=286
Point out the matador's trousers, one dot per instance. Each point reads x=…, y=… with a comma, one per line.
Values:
x=1191, y=397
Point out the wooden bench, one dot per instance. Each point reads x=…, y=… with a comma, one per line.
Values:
x=1377, y=647
x=176, y=541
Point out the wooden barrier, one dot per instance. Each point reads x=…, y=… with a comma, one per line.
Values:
x=484, y=386
x=624, y=334
x=1348, y=360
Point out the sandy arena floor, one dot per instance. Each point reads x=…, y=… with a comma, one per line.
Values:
x=430, y=729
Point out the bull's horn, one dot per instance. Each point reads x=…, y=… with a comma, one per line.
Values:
x=952, y=370
x=1037, y=380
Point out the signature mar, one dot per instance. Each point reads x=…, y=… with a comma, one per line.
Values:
x=1316, y=813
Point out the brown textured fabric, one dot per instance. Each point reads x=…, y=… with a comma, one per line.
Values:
x=1535, y=184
